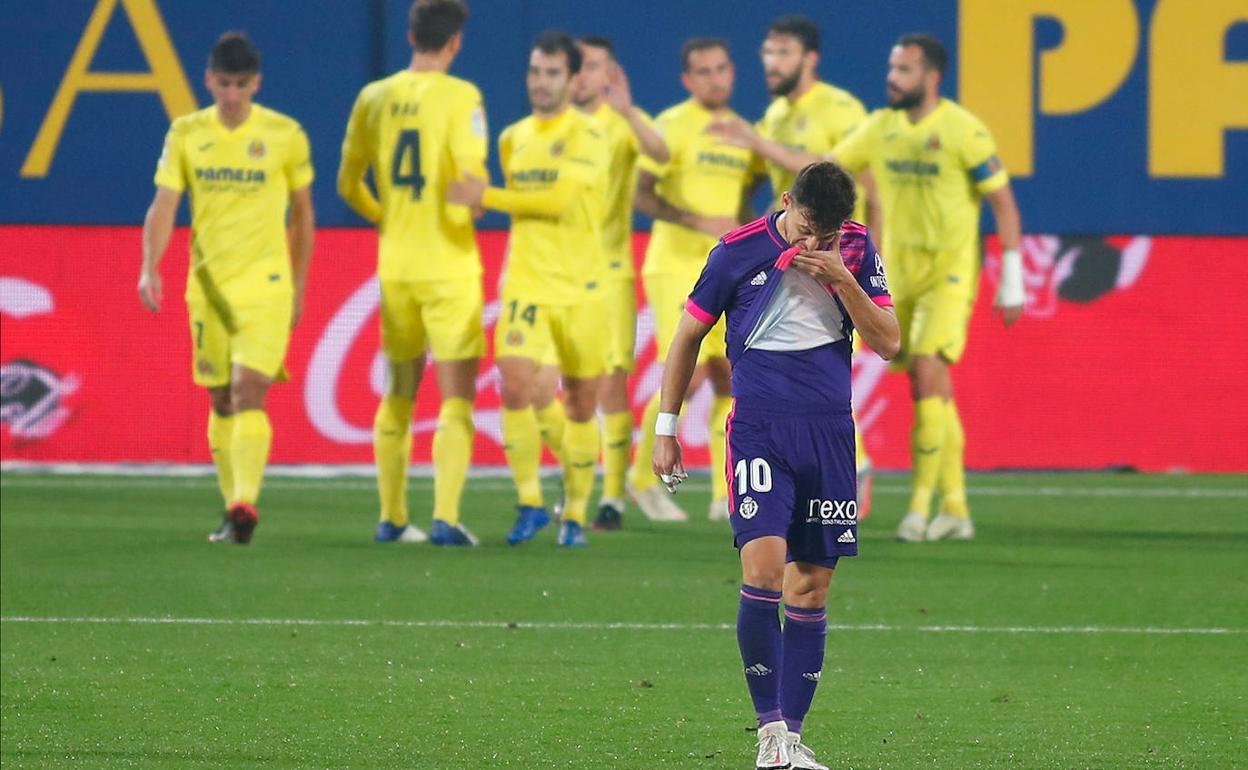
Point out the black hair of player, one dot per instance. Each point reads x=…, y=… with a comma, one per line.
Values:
x=934, y=55
x=799, y=27
x=553, y=41
x=598, y=41
x=826, y=193
x=234, y=53
x=434, y=22
x=695, y=44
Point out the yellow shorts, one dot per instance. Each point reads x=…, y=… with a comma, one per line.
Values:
x=933, y=323
x=253, y=336
x=530, y=329
x=442, y=316
x=620, y=298
x=666, y=295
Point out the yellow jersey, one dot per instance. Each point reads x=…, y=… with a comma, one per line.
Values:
x=815, y=122
x=703, y=175
x=239, y=181
x=420, y=131
x=556, y=176
x=931, y=176
x=623, y=150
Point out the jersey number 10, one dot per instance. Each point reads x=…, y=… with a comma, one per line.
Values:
x=407, y=147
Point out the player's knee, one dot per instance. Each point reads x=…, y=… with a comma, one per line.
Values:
x=246, y=394
x=515, y=394
x=769, y=577
x=222, y=401
x=928, y=377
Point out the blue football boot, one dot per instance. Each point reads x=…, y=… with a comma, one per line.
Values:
x=443, y=533
x=529, y=521
x=388, y=532
x=571, y=535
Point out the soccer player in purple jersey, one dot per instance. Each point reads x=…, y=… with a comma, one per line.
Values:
x=793, y=286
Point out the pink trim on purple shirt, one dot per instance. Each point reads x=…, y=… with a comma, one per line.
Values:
x=884, y=300
x=692, y=309
x=786, y=257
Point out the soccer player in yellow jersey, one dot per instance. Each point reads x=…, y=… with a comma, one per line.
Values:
x=244, y=167
x=806, y=116
x=694, y=198
x=602, y=91
x=418, y=130
x=555, y=165
x=932, y=162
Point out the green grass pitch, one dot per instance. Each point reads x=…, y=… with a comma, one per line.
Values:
x=1098, y=621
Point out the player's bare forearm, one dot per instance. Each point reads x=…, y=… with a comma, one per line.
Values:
x=355, y=192
x=790, y=158
x=551, y=202
x=877, y=325
x=1009, y=221
x=875, y=212
x=651, y=141
x=302, y=237
x=649, y=202
x=682, y=358
x=157, y=230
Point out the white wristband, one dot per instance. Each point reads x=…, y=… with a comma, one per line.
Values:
x=1010, y=292
x=666, y=424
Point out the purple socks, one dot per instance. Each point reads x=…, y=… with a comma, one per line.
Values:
x=781, y=669
x=804, y=634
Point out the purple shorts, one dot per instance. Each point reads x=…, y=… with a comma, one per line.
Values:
x=795, y=477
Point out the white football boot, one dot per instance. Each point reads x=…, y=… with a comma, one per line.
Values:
x=912, y=529
x=773, y=747
x=801, y=756
x=952, y=527
x=718, y=510
x=656, y=504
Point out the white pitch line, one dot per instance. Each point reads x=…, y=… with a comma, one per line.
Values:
x=604, y=626
x=496, y=483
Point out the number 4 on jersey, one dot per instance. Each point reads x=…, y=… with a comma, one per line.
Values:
x=407, y=152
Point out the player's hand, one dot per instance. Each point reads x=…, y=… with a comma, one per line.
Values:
x=467, y=191
x=151, y=293
x=296, y=311
x=667, y=463
x=1009, y=315
x=826, y=267
x=619, y=93
x=715, y=226
x=733, y=131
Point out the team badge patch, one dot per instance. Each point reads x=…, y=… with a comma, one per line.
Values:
x=256, y=150
x=800, y=124
x=748, y=507
x=556, y=149
x=515, y=338
x=206, y=368
x=933, y=143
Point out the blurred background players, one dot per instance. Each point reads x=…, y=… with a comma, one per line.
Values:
x=694, y=198
x=244, y=166
x=418, y=130
x=933, y=161
x=602, y=91
x=806, y=118
x=555, y=166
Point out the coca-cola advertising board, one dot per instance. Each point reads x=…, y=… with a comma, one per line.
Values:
x=1133, y=353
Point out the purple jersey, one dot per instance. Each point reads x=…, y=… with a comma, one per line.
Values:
x=788, y=335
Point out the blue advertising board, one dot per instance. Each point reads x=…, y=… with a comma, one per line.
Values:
x=1114, y=116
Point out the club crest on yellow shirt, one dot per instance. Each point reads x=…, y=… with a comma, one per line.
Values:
x=206, y=368
x=255, y=150
x=933, y=143
x=800, y=123
x=515, y=338
x=556, y=149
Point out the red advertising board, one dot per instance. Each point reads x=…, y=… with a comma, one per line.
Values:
x=1133, y=352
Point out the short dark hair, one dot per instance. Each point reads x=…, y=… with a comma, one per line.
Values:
x=234, y=53
x=798, y=26
x=934, y=55
x=827, y=194
x=598, y=41
x=434, y=22
x=556, y=40
x=695, y=44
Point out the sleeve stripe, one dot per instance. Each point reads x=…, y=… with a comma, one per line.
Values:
x=692, y=309
x=883, y=300
x=986, y=169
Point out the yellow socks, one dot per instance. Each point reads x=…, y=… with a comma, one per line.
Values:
x=220, y=437
x=249, y=451
x=392, y=450
x=640, y=475
x=716, y=443
x=926, y=441
x=617, y=441
x=551, y=419
x=452, y=454
x=581, y=445
x=522, y=444
x=952, y=465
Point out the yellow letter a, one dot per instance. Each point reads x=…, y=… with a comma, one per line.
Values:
x=166, y=76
